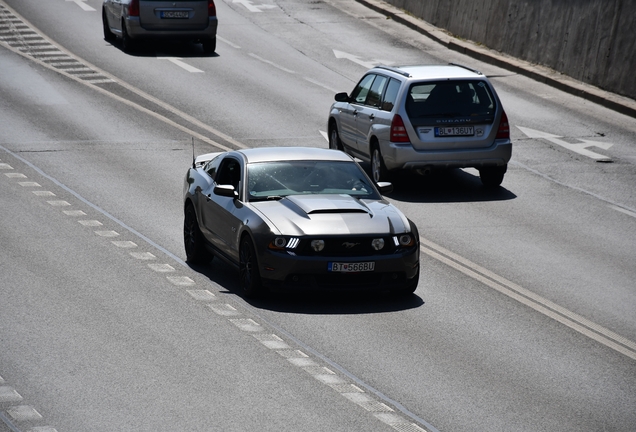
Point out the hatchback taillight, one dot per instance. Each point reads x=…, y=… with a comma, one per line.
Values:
x=133, y=8
x=504, y=128
x=398, y=131
x=211, y=8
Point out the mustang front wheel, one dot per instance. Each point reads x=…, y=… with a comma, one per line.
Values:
x=195, y=250
x=250, y=278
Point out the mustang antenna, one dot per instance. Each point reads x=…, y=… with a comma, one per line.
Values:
x=193, y=158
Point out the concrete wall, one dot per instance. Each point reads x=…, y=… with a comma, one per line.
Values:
x=593, y=41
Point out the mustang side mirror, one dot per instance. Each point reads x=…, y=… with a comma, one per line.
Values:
x=225, y=190
x=341, y=97
x=385, y=187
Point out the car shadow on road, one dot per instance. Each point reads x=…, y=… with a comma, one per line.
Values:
x=446, y=186
x=178, y=49
x=225, y=277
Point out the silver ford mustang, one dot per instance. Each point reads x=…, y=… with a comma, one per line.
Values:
x=296, y=218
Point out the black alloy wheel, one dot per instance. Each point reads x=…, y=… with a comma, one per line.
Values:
x=249, y=276
x=209, y=46
x=195, y=250
x=334, y=139
x=108, y=35
x=378, y=169
x=492, y=176
x=127, y=44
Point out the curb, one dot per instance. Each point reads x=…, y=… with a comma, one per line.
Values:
x=545, y=75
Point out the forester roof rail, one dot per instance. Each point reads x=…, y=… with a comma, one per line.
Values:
x=467, y=68
x=394, y=69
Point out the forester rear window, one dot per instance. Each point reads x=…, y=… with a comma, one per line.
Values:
x=466, y=100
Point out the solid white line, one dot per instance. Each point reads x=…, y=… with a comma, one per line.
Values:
x=233, y=45
x=530, y=299
x=177, y=61
x=622, y=210
x=271, y=63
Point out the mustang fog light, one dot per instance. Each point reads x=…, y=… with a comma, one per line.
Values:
x=377, y=244
x=317, y=245
x=406, y=240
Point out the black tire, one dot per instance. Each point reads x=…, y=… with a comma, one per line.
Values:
x=193, y=240
x=249, y=276
x=209, y=46
x=127, y=44
x=109, y=36
x=334, y=138
x=378, y=169
x=410, y=288
x=492, y=176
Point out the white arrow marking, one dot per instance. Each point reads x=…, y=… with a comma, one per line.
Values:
x=254, y=8
x=181, y=64
x=355, y=59
x=83, y=5
x=580, y=148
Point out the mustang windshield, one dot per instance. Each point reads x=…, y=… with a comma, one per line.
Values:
x=274, y=180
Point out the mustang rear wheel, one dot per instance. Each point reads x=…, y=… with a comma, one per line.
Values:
x=249, y=276
x=195, y=250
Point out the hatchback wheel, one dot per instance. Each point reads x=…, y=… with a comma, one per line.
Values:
x=108, y=35
x=378, y=169
x=195, y=250
x=250, y=278
x=492, y=176
x=127, y=43
x=209, y=46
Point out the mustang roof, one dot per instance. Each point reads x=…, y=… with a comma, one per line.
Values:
x=275, y=154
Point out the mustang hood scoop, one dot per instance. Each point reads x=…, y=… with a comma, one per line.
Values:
x=331, y=215
x=312, y=204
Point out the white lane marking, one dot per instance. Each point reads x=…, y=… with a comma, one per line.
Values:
x=530, y=299
x=15, y=175
x=577, y=147
x=146, y=256
x=59, y=203
x=254, y=8
x=90, y=223
x=23, y=413
x=162, y=268
x=107, y=233
x=320, y=84
x=247, y=324
x=324, y=135
x=358, y=60
x=622, y=210
x=29, y=184
x=202, y=295
x=233, y=45
x=125, y=244
x=83, y=5
x=177, y=61
x=74, y=213
x=43, y=193
x=8, y=394
x=180, y=280
x=5, y=166
x=224, y=309
x=271, y=63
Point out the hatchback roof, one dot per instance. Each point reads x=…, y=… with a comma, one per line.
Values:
x=434, y=71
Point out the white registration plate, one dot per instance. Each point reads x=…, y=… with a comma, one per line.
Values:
x=454, y=131
x=351, y=267
x=174, y=14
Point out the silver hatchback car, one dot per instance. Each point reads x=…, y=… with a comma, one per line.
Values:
x=133, y=20
x=423, y=118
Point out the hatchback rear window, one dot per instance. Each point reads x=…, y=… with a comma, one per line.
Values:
x=469, y=99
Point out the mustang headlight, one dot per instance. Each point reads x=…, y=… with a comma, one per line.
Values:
x=405, y=240
x=317, y=245
x=282, y=243
x=377, y=244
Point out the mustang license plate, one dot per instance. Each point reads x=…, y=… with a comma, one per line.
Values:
x=174, y=14
x=351, y=267
x=454, y=131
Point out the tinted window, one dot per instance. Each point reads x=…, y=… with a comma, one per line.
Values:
x=212, y=166
x=377, y=88
x=361, y=91
x=272, y=180
x=229, y=173
x=388, y=102
x=450, y=99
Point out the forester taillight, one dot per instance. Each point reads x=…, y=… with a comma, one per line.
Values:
x=133, y=8
x=504, y=128
x=211, y=8
x=398, y=131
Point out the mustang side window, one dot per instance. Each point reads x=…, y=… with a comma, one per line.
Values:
x=229, y=173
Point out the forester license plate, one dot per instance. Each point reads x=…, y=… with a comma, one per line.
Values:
x=351, y=267
x=454, y=131
x=174, y=14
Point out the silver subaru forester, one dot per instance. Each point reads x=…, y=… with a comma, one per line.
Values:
x=423, y=118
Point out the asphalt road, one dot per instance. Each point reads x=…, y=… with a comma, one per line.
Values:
x=523, y=319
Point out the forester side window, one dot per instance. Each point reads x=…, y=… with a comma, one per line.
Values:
x=388, y=102
x=361, y=91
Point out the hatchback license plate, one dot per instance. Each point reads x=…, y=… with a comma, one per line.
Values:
x=351, y=267
x=454, y=131
x=174, y=14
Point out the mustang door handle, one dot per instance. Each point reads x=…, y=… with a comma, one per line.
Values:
x=371, y=117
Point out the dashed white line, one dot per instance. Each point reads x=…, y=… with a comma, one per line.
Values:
x=271, y=63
